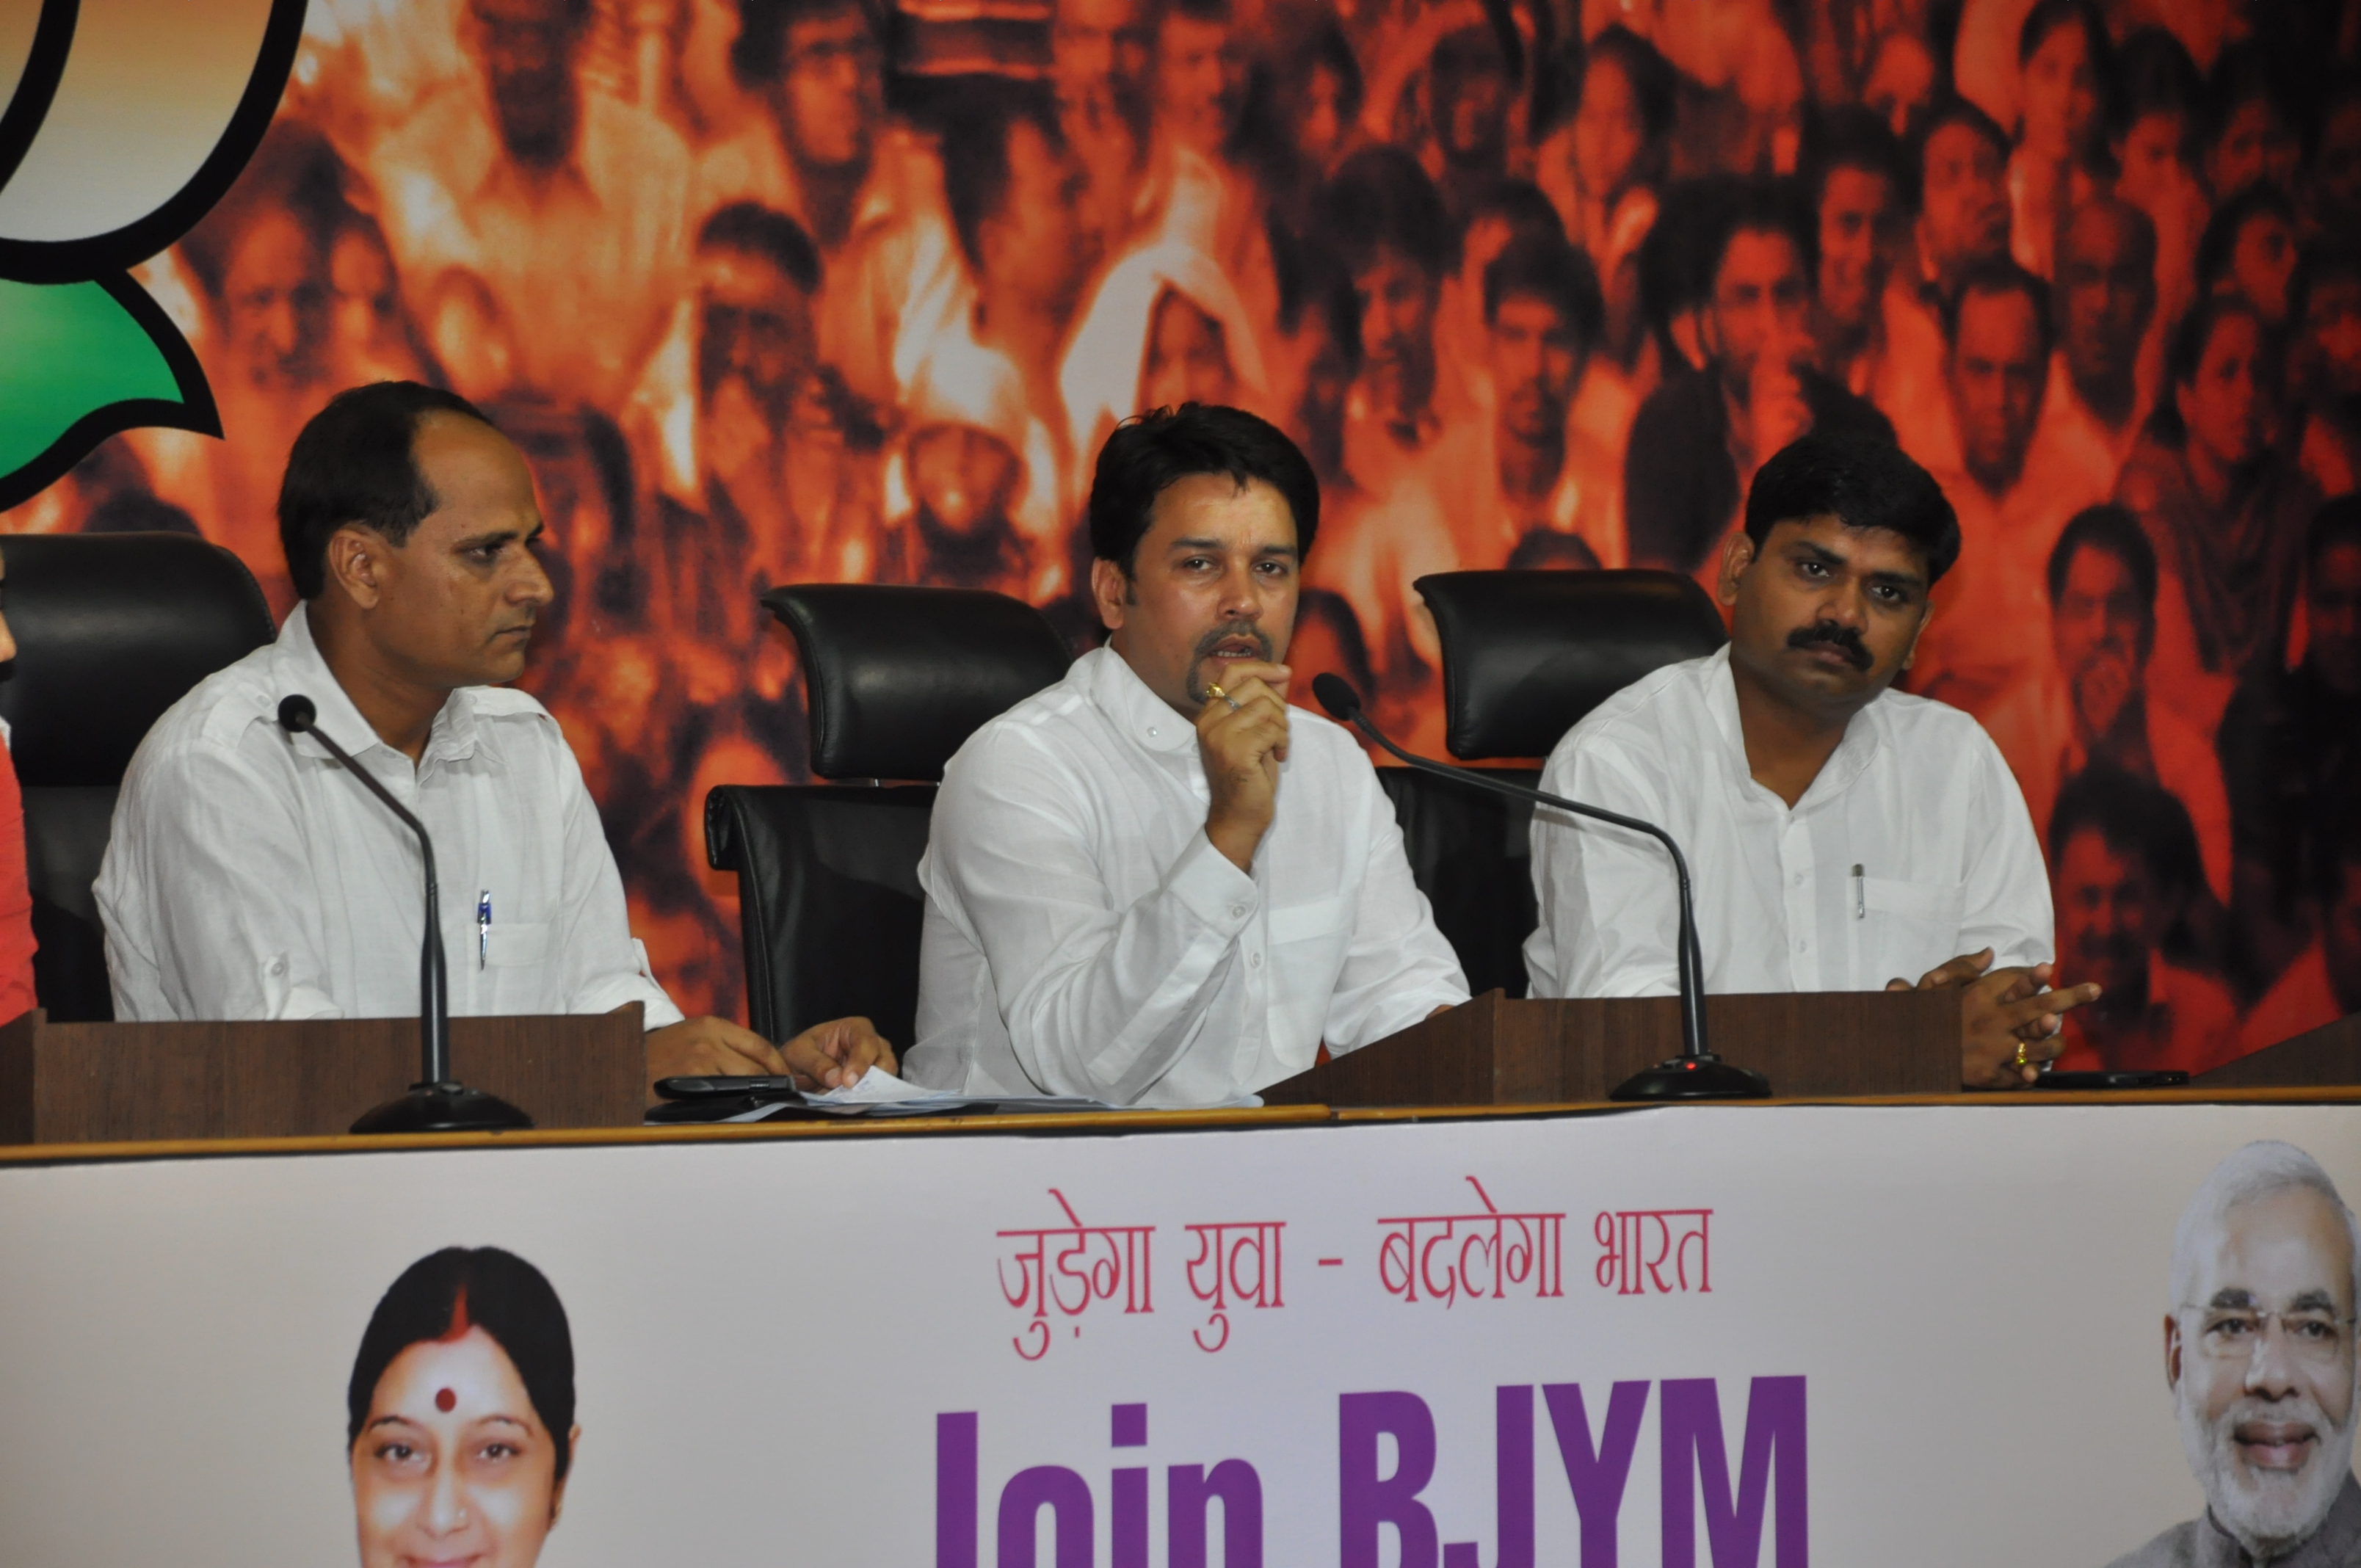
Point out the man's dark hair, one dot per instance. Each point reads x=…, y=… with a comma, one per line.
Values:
x=1951, y=112
x=759, y=57
x=768, y=234
x=2000, y=275
x=1519, y=204
x=1849, y=136
x=1656, y=85
x=1149, y=453
x=1382, y=200
x=354, y=462
x=975, y=156
x=1548, y=268
x=2111, y=530
x=2154, y=75
x=2133, y=815
x=2336, y=522
x=2218, y=249
x=1866, y=483
x=444, y=1294
x=1767, y=206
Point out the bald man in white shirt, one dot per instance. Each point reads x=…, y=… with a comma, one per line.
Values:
x=1155, y=883
x=245, y=878
x=1842, y=836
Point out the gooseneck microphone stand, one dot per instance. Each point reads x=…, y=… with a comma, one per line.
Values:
x=1697, y=1073
x=437, y=1103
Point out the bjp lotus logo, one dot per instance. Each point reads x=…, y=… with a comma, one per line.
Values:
x=126, y=122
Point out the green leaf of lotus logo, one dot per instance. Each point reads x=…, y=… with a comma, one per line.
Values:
x=127, y=120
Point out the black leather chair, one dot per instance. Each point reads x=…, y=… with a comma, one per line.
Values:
x=111, y=631
x=1525, y=656
x=897, y=679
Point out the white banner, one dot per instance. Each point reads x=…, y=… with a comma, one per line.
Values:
x=1703, y=1336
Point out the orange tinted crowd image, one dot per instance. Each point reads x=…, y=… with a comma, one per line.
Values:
x=796, y=290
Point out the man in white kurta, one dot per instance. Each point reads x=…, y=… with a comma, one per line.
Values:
x=1153, y=883
x=249, y=878
x=245, y=877
x=1842, y=836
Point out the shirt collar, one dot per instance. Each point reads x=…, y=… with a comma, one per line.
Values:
x=1853, y=756
x=1111, y=683
x=301, y=670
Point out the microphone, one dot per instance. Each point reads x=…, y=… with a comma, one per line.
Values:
x=437, y=1103
x=1697, y=1073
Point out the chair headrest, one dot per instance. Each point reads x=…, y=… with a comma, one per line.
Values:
x=111, y=631
x=1526, y=655
x=898, y=678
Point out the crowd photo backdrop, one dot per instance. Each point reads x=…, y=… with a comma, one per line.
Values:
x=783, y=290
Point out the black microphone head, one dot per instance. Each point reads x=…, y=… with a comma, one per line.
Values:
x=1338, y=696
x=295, y=715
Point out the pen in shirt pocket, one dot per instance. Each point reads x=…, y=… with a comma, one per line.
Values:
x=1860, y=895
x=483, y=927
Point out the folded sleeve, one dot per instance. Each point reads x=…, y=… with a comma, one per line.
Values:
x=1096, y=1000
x=1607, y=896
x=1398, y=968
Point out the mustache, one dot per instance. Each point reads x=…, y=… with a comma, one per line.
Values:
x=1845, y=640
x=1227, y=630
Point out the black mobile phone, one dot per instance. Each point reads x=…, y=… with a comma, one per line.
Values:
x=2165, y=1078
x=761, y=1085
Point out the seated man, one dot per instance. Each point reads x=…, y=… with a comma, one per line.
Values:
x=1841, y=835
x=245, y=878
x=1155, y=883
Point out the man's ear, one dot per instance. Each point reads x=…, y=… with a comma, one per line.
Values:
x=1111, y=591
x=1737, y=555
x=357, y=564
x=1926, y=616
x=2172, y=1351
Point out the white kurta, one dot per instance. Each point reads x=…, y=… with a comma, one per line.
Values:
x=248, y=878
x=1084, y=937
x=1916, y=795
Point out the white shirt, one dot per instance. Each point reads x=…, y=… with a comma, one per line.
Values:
x=248, y=878
x=1914, y=795
x=1084, y=936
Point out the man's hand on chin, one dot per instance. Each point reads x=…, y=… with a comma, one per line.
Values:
x=825, y=1056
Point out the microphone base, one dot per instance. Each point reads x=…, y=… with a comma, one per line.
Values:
x=1702, y=1077
x=444, y=1108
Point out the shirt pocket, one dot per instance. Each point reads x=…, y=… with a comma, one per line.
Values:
x=1907, y=927
x=516, y=946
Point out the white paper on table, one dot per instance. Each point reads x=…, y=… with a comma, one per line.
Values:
x=904, y=1098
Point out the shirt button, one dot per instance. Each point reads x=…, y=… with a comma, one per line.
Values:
x=1799, y=878
x=1151, y=729
x=1804, y=945
x=1254, y=959
x=1238, y=911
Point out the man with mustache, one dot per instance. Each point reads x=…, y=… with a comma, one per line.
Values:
x=245, y=879
x=2258, y=1353
x=1842, y=836
x=1155, y=883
